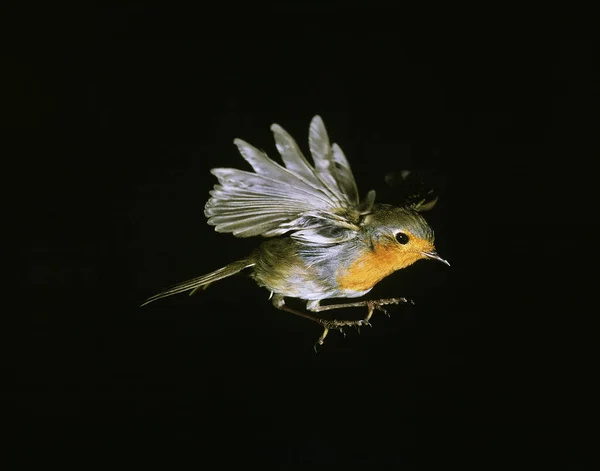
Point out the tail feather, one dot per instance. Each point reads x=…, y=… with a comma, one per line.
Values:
x=202, y=281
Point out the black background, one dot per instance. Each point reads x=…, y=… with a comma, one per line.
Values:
x=120, y=113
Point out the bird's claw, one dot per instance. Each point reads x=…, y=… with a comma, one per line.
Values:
x=339, y=324
x=321, y=338
x=319, y=342
x=385, y=302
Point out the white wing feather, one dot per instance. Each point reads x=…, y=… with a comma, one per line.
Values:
x=316, y=204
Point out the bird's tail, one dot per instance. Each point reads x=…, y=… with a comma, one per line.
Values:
x=202, y=281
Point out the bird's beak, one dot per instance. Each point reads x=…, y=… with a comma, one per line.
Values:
x=434, y=256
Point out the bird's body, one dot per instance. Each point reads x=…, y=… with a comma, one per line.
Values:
x=322, y=241
x=285, y=267
x=312, y=272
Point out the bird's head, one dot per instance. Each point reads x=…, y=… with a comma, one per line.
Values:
x=400, y=235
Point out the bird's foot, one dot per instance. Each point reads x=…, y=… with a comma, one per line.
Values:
x=379, y=303
x=339, y=324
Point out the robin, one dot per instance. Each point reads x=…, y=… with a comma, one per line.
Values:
x=323, y=241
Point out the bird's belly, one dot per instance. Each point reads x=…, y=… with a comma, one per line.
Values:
x=295, y=284
x=348, y=293
x=305, y=286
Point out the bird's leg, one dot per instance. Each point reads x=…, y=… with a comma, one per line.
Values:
x=279, y=303
x=378, y=304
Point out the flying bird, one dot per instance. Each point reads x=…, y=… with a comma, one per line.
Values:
x=322, y=240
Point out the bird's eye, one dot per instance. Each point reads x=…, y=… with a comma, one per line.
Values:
x=402, y=238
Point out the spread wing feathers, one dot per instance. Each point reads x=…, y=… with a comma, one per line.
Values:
x=413, y=190
x=330, y=163
x=316, y=204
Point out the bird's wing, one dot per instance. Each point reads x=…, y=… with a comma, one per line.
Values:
x=412, y=189
x=317, y=204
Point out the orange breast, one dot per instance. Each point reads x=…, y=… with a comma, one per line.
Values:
x=373, y=266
